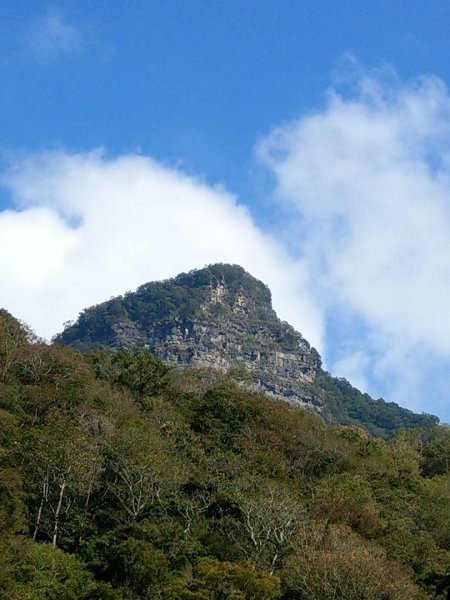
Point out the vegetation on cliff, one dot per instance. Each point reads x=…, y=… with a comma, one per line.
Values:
x=159, y=302
x=185, y=322
x=121, y=479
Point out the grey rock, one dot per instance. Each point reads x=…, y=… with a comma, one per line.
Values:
x=231, y=326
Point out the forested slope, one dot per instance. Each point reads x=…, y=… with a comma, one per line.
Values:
x=346, y=405
x=122, y=480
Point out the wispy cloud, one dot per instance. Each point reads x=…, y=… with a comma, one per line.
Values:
x=368, y=178
x=51, y=36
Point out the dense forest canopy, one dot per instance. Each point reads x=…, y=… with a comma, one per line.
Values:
x=123, y=480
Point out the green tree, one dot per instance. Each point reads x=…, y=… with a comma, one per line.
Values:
x=62, y=467
x=42, y=572
x=332, y=562
x=436, y=451
x=141, y=567
x=270, y=518
x=347, y=499
x=142, y=470
x=213, y=580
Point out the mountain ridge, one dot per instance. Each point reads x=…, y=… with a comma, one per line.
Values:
x=222, y=317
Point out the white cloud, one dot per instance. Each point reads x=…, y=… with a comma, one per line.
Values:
x=369, y=180
x=51, y=36
x=87, y=227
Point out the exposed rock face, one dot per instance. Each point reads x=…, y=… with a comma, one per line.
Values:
x=218, y=317
x=232, y=332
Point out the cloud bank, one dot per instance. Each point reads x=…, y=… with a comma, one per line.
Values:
x=367, y=183
x=87, y=227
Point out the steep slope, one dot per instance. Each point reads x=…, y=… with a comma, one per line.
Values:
x=219, y=317
x=222, y=317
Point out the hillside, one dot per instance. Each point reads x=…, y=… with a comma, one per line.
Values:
x=222, y=317
x=121, y=479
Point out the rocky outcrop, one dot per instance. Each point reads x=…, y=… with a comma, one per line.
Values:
x=219, y=317
x=239, y=335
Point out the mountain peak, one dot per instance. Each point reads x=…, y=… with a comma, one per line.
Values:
x=219, y=316
x=226, y=284
x=222, y=317
x=232, y=276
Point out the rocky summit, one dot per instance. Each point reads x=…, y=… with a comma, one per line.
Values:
x=219, y=317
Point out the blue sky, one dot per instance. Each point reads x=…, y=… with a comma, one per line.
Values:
x=305, y=140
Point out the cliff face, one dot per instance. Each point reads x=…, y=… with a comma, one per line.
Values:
x=218, y=317
x=232, y=331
